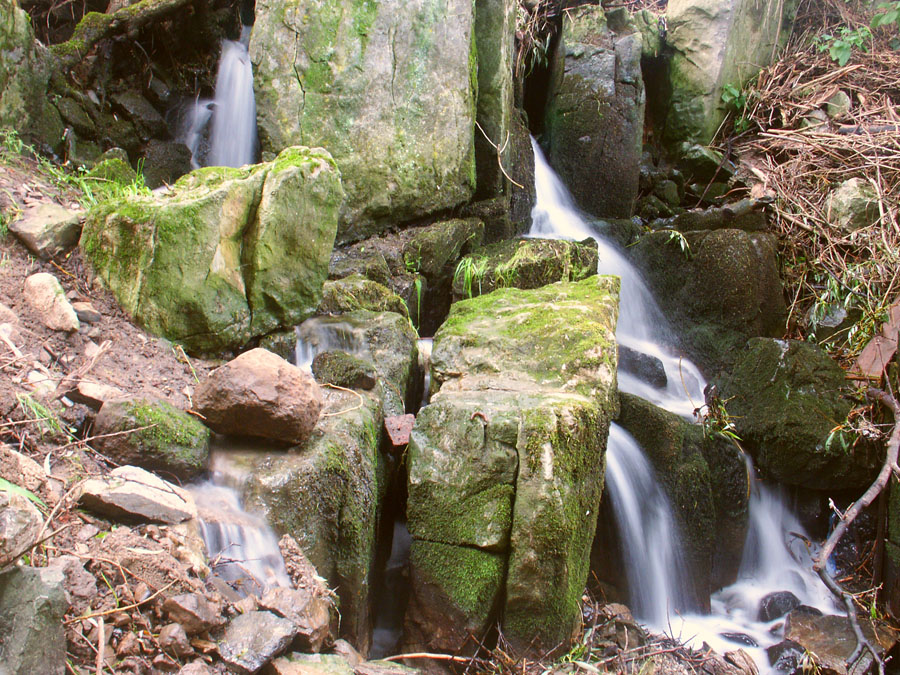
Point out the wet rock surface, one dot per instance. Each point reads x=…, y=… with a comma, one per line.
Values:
x=132, y=493
x=251, y=640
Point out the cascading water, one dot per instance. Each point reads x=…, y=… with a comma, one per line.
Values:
x=642, y=326
x=323, y=334
x=222, y=131
x=775, y=558
x=242, y=548
x=654, y=560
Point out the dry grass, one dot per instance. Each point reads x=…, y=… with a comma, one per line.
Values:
x=823, y=265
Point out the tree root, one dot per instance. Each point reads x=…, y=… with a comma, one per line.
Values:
x=819, y=566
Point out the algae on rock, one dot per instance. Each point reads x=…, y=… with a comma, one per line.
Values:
x=506, y=464
x=388, y=88
x=228, y=254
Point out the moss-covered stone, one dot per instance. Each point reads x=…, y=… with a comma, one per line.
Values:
x=509, y=335
x=161, y=437
x=786, y=401
x=523, y=263
x=357, y=292
x=386, y=87
x=226, y=255
x=344, y=370
x=25, y=71
x=508, y=457
x=327, y=494
x=720, y=291
x=434, y=249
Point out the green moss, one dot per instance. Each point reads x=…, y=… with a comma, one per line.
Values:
x=171, y=428
x=469, y=578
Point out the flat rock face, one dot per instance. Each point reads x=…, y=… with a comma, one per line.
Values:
x=133, y=493
x=335, y=74
x=252, y=639
x=716, y=42
x=46, y=296
x=831, y=640
x=509, y=450
x=226, y=254
x=32, y=606
x=260, y=394
x=47, y=229
x=595, y=113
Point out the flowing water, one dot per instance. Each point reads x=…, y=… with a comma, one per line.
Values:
x=642, y=326
x=222, y=131
x=323, y=334
x=242, y=548
x=775, y=555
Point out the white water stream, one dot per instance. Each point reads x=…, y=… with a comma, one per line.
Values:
x=775, y=557
x=222, y=131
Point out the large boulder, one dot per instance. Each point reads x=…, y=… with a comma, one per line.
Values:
x=227, y=254
x=719, y=288
x=506, y=464
x=523, y=263
x=33, y=603
x=717, y=43
x=327, y=494
x=595, y=112
x=785, y=400
x=25, y=71
x=260, y=394
x=388, y=88
x=152, y=433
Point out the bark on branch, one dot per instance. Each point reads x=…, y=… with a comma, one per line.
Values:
x=95, y=27
x=889, y=467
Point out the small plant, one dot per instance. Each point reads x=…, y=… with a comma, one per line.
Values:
x=715, y=419
x=736, y=101
x=45, y=419
x=841, y=43
x=471, y=271
x=888, y=15
x=683, y=244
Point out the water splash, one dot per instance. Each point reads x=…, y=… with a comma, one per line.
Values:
x=324, y=334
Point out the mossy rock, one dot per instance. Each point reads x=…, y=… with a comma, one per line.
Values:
x=152, y=434
x=787, y=401
x=388, y=88
x=509, y=335
x=327, y=494
x=523, y=263
x=719, y=290
x=435, y=249
x=226, y=255
x=344, y=370
x=356, y=292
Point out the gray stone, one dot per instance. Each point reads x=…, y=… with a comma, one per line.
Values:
x=132, y=493
x=595, y=114
x=831, y=640
x=80, y=584
x=44, y=293
x=85, y=312
x=356, y=292
x=253, y=639
x=311, y=664
x=310, y=613
x=47, y=229
x=165, y=162
x=838, y=105
x=717, y=43
x=194, y=613
x=335, y=75
x=93, y=394
x=20, y=523
x=853, y=205
x=260, y=394
x=143, y=115
x=32, y=606
x=344, y=370
x=150, y=433
x=174, y=641
x=21, y=469
x=775, y=605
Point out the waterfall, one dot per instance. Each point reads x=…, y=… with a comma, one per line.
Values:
x=233, y=137
x=222, y=131
x=654, y=559
x=322, y=334
x=775, y=554
x=242, y=548
x=642, y=326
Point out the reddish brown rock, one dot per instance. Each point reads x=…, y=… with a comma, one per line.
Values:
x=398, y=428
x=260, y=394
